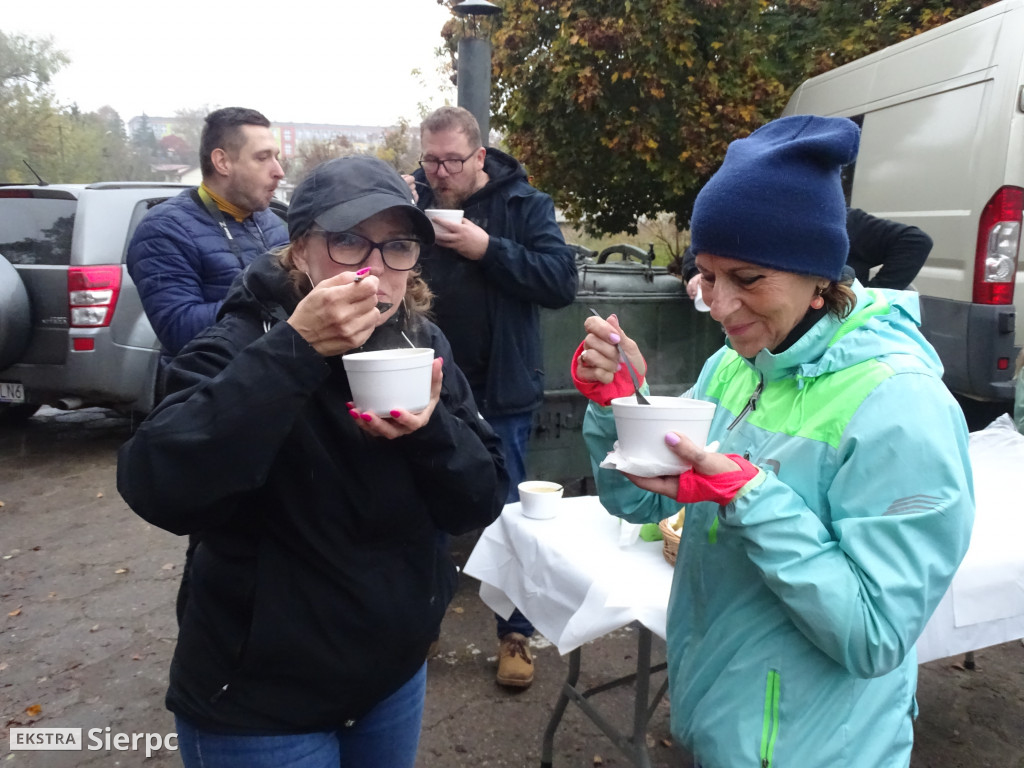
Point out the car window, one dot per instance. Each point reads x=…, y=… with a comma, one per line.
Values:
x=36, y=230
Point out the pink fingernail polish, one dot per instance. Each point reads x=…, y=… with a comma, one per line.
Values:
x=614, y=338
x=395, y=414
x=363, y=271
x=353, y=413
x=672, y=438
x=351, y=405
x=366, y=417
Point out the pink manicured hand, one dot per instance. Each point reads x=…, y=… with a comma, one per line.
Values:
x=716, y=477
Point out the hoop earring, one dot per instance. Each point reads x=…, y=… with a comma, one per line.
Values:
x=312, y=285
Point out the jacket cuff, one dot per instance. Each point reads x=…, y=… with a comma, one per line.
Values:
x=600, y=393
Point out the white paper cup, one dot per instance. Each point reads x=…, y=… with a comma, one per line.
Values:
x=453, y=215
x=539, y=498
x=642, y=428
x=698, y=302
x=390, y=379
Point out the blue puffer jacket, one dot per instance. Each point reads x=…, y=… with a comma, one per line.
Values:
x=795, y=608
x=182, y=264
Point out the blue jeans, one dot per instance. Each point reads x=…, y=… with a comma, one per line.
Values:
x=514, y=432
x=387, y=737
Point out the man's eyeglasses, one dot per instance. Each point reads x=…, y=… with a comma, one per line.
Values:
x=453, y=166
x=350, y=250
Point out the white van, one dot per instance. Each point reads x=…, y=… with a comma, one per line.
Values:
x=942, y=148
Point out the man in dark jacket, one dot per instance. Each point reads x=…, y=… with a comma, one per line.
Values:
x=900, y=250
x=187, y=251
x=490, y=274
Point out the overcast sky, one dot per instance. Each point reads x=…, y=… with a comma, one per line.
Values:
x=304, y=61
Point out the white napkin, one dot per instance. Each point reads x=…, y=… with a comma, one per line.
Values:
x=646, y=467
x=640, y=467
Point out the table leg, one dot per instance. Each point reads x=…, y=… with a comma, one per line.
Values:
x=569, y=686
x=633, y=746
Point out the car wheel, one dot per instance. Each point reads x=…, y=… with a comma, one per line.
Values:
x=15, y=320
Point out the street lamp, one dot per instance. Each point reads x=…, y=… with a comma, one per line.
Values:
x=474, y=66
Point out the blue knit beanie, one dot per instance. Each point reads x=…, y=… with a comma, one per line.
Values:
x=777, y=200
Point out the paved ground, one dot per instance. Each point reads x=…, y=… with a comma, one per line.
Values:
x=87, y=628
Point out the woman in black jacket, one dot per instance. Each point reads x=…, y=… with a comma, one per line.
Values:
x=317, y=585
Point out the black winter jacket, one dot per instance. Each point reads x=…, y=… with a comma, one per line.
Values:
x=317, y=584
x=899, y=249
x=527, y=265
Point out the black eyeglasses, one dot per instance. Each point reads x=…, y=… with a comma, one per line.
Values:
x=452, y=166
x=350, y=250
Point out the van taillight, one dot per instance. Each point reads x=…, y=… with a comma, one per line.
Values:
x=92, y=295
x=995, y=258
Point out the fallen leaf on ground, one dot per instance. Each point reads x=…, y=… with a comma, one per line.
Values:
x=15, y=612
x=458, y=609
x=33, y=711
x=167, y=566
x=3, y=666
x=136, y=657
x=598, y=760
x=99, y=495
x=121, y=570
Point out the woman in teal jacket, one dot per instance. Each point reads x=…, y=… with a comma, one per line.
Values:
x=818, y=542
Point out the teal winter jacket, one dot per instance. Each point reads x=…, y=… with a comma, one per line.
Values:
x=795, y=608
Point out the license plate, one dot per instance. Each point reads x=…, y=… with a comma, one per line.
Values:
x=12, y=392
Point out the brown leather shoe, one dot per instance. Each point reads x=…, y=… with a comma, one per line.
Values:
x=515, y=664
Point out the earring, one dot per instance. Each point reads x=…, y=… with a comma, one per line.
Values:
x=311, y=284
x=818, y=302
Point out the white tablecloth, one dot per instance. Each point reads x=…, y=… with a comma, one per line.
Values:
x=569, y=575
x=572, y=579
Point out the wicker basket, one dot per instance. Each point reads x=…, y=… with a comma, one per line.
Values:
x=670, y=536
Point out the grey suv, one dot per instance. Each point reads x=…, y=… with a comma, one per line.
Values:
x=72, y=330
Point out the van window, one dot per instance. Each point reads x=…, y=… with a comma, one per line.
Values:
x=36, y=230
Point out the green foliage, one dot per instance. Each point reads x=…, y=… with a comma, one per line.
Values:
x=401, y=147
x=624, y=108
x=61, y=144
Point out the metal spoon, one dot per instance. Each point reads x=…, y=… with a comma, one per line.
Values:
x=640, y=399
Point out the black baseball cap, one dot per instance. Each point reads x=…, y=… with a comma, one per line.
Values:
x=340, y=193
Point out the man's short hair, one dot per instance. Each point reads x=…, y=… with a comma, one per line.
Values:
x=453, y=119
x=221, y=131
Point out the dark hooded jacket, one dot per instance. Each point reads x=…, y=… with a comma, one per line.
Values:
x=489, y=309
x=317, y=584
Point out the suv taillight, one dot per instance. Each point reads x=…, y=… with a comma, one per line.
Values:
x=92, y=295
x=995, y=258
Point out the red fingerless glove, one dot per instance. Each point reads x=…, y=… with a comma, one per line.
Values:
x=602, y=394
x=721, y=488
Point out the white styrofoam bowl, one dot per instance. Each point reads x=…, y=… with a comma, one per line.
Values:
x=642, y=428
x=390, y=379
x=539, y=498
